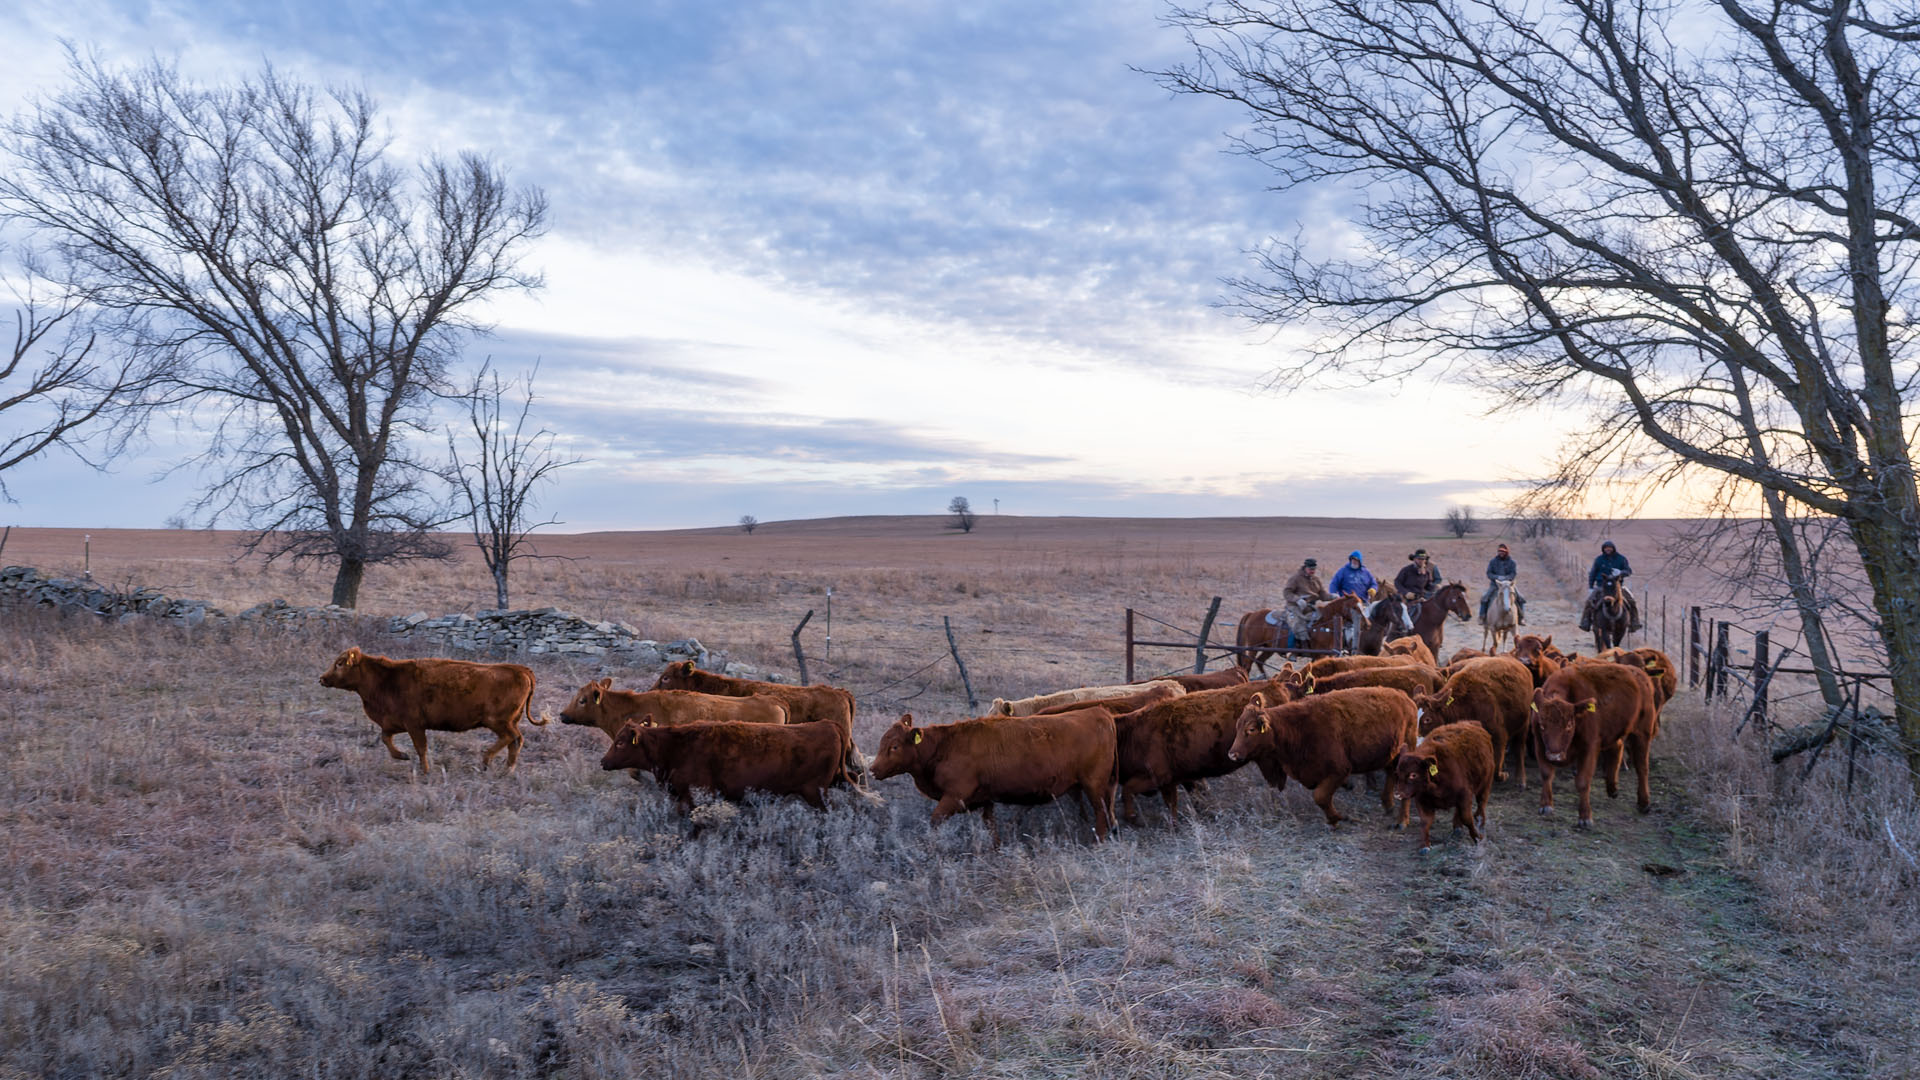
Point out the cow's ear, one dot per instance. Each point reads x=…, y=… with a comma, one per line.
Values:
x=647, y=721
x=1259, y=701
x=353, y=656
x=687, y=667
x=1547, y=642
x=596, y=697
x=1433, y=768
x=917, y=736
x=606, y=683
x=1587, y=705
x=906, y=719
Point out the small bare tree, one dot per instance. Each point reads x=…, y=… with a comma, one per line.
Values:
x=1460, y=521
x=748, y=523
x=962, y=512
x=494, y=479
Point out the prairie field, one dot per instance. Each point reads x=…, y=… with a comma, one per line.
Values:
x=210, y=868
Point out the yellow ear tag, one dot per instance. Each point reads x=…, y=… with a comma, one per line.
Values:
x=1533, y=706
x=1433, y=769
x=1593, y=706
x=1449, y=703
x=596, y=697
x=916, y=738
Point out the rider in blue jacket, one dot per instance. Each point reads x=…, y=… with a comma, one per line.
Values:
x=1352, y=578
x=1605, y=565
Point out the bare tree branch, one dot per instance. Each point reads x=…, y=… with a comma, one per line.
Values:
x=496, y=477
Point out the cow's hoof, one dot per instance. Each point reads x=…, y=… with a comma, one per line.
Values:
x=1499, y=776
x=396, y=755
x=1583, y=823
x=1545, y=810
x=1646, y=807
x=1399, y=825
x=1426, y=850
x=1457, y=830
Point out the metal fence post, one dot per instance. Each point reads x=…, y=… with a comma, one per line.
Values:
x=1200, y=650
x=1129, y=644
x=1693, y=645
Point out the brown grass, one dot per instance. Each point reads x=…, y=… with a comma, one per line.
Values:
x=211, y=869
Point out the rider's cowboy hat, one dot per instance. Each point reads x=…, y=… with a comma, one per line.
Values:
x=1311, y=562
x=1419, y=554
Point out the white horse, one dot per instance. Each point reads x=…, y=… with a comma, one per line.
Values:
x=1502, y=623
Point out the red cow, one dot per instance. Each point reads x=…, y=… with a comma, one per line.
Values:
x=1666, y=677
x=1019, y=760
x=803, y=703
x=1584, y=718
x=1180, y=741
x=732, y=758
x=1152, y=695
x=1412, y=645
x=1409, y=679
x=1451, y=767
x=418, y=696
x=1334, y=665
x=1212, y=680
x=1321, y=740
x=599, y=705
x=1495, y=692
x=1540, y=656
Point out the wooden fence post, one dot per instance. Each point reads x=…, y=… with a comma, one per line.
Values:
x=973, y=703
x=1129, y=644
x=1200, y=650
x=1758, y=710
x=1693, y=645
x=1720, y=633
x=798, y=655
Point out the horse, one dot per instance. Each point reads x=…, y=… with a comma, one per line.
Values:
x=1610, y=615
x=1332, y=623
x=1259, y=640
x=1431, y=620
x=1497, y=630
x=1386, y=616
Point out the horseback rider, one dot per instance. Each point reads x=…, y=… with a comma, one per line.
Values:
x=1609, y=564
x=1419, y=579
x=1302, y=591
x=1353, y=579
x=1502, y=567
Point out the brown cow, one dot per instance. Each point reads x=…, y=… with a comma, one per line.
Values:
x=1212, y=680
x=1409, y=679
x=599, y=705
x=1464, y=653
x=1411, y=645
x=1452, y=766
x=1538, y=653
x=732, y=758
x=1019, y=760
x=1176, y=742
x=1152, y=695
x=1666, y=677
x=418, y=696
x=1495, y=692
x=1081, y=695
x=1585, y=717
x=803, y=703
x=1321, y=740
x=1334, y=665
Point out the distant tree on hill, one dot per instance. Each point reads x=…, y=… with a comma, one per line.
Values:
x=1460, y=521
x=748, y=523
x=962, y=512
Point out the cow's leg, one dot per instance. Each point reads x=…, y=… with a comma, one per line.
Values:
x=1584, y=781
x=1426, y=828
x=813, y=797
x=1610, y=768
x=513, y=751
x=1499, y=734
x=1170, y=794
x=1640, y=747
x=1323, y=797
x=1520, y=758
x=993, y=827
x=1128, y=810
x=387, y=737
x=1386, y=792
x=419, y=737
x=949, y=805
x=509, y=741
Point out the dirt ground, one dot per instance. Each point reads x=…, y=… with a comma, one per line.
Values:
x=211, y=869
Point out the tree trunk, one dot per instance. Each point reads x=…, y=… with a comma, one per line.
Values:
x=1813, y=629
x=1890, y=552
x=346, y=583
x=500, y=587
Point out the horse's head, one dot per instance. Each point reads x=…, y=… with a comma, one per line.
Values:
x=1453, y=597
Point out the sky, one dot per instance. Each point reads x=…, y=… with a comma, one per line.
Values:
x=858, y=257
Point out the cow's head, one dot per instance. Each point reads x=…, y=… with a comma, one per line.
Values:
x=1432, y=709
x=345, y=672
x=633, y=745
x=588, y=705
x=1415, y=770
x=1556, y=721
x=1000, y=707
x=676, y=676
x=1253, y=732
x=899, y=749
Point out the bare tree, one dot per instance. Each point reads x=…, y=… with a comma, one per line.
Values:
x=305, y=293
x=748, y=523
x=1699, y=220
x=495, y=477
x=60, y=380
x=962, y=512
x=1460, y=521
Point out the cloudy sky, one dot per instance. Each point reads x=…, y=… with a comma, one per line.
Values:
x=848, y=257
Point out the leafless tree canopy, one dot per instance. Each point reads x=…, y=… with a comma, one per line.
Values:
x=496, y=475
x=60, y=379
x=1698, y=219
x=1460, y=521
x=962, y=511
x=748, y=523
x=305, y=292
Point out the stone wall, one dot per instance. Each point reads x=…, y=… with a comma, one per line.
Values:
x=535, y=631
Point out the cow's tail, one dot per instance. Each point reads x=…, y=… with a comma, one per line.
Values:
x=526, y=711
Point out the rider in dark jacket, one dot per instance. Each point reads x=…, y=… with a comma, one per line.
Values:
x=1502, y=566
x=1419, y=579
x=1605, y=565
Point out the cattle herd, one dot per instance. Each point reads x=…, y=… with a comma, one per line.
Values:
x=1439, y=735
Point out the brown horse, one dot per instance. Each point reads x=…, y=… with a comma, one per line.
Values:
x=1264, y=640
x=1610, y=616
x=1386, y=617
x=1430, y=621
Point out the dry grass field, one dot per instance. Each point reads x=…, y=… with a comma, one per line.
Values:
x=210, y=868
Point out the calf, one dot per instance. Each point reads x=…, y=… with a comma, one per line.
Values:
x=1666, y=678
x=1334, y=665
x=732, y=758
x=1322, y=740
x=1022, y=760
x=1412, y=645
x=1152, y=695
x=1452, y=766
x=1180, y=741
x=418, y=696
x=1583, y=718
x=599, y=705
x=1409, y=679
x=1538, y=653
x=1030, y=706
x=1495, y=692
x=803, y=703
